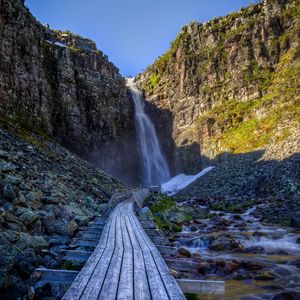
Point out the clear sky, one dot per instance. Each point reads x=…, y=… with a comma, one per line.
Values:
x=133, y=33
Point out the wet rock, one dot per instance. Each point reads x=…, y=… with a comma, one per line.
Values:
x=258, y=234
x=251, y=266
x=222, y=243
x=183, y=252
x=241, y=275
x=194, y=228
x=287, y=296
x=295, y=220
x=265, y=276
x=254, y=249
x=205, y=267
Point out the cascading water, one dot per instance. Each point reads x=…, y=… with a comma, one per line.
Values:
x=155, y=166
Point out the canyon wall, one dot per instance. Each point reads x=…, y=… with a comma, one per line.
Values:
x=229, y=86
x=59, y=84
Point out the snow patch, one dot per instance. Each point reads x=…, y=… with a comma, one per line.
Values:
x=57, y=44
x=181, y=181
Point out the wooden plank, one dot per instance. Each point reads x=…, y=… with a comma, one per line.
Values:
x=172, y=287
x=141, y=284
x=78, y=286
x=93, y=287
x=75, y=255
x=201, y=286
x=157, y=287
x=109, y=289
x=126, y=283
x=55, y=276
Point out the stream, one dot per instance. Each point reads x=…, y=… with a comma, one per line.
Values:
x=256, y=260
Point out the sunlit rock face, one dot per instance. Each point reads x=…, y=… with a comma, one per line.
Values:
x=60, y=84
x=221, y=86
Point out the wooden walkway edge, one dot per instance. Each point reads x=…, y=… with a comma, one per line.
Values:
x=125, y=264
x=123, y=261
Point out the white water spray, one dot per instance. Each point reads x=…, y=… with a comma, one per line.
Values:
x=155, y=166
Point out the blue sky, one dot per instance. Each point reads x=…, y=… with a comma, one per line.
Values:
x=132, y=33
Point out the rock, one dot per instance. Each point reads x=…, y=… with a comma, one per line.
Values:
x=254, y=249
x=6, y=167
x=72, y=227
x=251, y=266
x=222, y=243
x=194, y=228
x=183, y=252
x=295, y=219
x=145, y=212
x=175, y=274
x=26, y=263
x=28, y=217
x=205, y=268
x=265, y=276
x=103, y=207
x=9, y=192
x=82, y=220
x=13, y=180
x=287, y=296
x=33, y=196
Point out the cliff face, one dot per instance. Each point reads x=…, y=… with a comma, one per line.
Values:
x=60, y=84
x=229, y=85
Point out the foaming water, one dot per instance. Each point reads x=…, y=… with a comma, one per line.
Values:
x=155, y=166
x=285, y=243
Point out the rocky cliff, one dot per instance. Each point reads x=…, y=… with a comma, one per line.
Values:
x=59, y=84
x=230, y=85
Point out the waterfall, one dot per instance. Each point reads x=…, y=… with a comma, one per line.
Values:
x=155, y=166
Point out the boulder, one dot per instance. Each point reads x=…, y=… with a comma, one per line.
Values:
x=222, y=243
x=183, y=252
x=295, y=219
x=28, y=217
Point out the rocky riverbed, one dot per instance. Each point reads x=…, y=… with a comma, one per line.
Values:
x=46, y=193
x=256, y=259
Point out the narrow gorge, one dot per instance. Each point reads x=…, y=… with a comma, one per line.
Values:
x=212, y=128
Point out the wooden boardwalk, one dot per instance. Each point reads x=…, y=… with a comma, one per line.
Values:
x=125, y=264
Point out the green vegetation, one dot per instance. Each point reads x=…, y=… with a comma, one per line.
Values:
x=233, y=207
x=23, y=127
x=162, y=203
x=152, y=82
x=169, y=216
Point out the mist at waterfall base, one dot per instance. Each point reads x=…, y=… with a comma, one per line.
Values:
x=155, y=169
